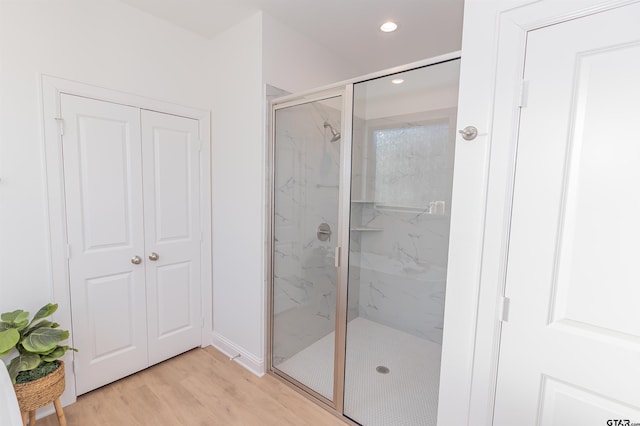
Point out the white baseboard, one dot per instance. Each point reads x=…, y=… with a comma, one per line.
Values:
x=248, y=360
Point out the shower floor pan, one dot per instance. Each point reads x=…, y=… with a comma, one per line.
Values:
x=391, y=377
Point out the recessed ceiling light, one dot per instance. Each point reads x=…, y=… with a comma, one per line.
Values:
x=397, y=81
x=388, y=26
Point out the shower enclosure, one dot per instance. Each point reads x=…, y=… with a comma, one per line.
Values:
x=361, y=195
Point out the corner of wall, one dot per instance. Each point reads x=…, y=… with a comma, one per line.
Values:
x=238, y=354
x=236, y=58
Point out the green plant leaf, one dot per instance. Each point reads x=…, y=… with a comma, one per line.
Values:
x=43, y=354
x=21, y=325
x=45, y=311
x=57, y=353
x=43, y=340
x=5, y=326
x=15, y=317
x=8, y=340
x=23, y=362
x=43, y=323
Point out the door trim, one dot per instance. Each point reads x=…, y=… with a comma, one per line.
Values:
x=513, y=25
x=51, y=89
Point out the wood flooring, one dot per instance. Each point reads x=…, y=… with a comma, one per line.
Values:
x=200, y=387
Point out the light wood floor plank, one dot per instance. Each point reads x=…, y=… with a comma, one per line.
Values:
x=200, y=387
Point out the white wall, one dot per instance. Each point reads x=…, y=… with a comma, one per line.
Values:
x=257, y=51
x=471, y=173
x=443, y=97
x=238, y=174
x=104, y=43
x=295, y=63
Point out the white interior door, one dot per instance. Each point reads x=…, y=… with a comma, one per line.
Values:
x=171, y=169
x=570, y=349
x=132, y=189
x=103, y=186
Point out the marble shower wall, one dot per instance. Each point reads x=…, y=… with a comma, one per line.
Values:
x=357, y=187
x=398, y=250
x=306, y=194
x=398, y=253
x=402, y=270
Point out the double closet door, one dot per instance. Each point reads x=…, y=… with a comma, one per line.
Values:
x=133, y=227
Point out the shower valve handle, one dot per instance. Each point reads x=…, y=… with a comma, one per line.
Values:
x=324, y=232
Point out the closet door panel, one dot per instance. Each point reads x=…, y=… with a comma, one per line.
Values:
x=171, y=167
x=103, y=186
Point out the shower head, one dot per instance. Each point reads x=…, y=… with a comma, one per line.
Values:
x=335, y=135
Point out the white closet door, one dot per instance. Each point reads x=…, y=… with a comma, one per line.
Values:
x=570, y=349
x=171, y=170
x=103, y=185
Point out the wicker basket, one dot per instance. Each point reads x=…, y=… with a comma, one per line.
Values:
x=38, y=393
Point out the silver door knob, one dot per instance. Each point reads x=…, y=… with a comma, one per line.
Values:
x=154, y=256
x=469, y=133
x=136, y=260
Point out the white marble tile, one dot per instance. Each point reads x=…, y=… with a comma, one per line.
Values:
x=306, y=181
x=403, y=294
x=397, y=275
x=401, y=261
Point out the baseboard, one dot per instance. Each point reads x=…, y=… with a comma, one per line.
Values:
x=239, y=354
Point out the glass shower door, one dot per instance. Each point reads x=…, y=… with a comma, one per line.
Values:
x=306, y=179
x=402, y=172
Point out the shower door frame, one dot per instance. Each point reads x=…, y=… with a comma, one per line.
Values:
x=345, y=88
x=342, y=247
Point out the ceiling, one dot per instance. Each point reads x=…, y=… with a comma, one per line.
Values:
x=350, y=28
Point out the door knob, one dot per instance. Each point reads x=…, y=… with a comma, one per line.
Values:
x=469, y=133
x=154, y=256
x=136, y=260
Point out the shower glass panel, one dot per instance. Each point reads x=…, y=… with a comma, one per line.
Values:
x=401, y=179
x=305, y=224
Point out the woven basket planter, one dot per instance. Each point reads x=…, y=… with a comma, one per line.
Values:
x=41, y=392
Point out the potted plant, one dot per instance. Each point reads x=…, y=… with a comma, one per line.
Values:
x=35, y=370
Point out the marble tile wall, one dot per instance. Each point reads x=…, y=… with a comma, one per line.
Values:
x=402, y=270
x=306, y=195
x=398, y=253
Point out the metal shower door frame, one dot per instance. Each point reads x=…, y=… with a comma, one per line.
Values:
x=345, y=89
x=342, y=250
